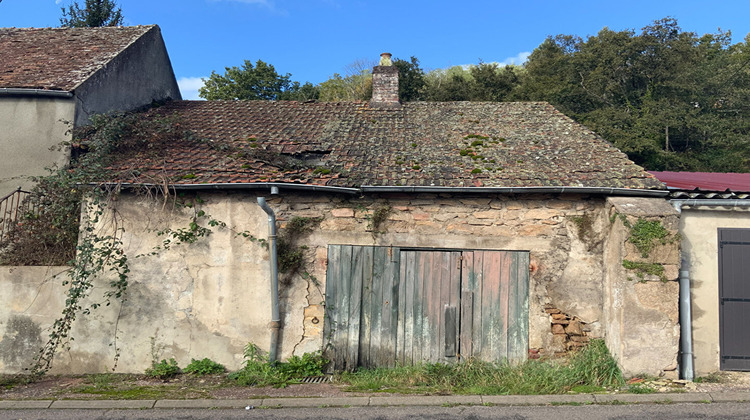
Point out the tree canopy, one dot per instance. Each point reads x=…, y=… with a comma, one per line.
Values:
x=670, y=99
x=259, y=82
x=95, y=13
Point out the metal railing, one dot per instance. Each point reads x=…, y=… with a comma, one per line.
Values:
x=13, y=207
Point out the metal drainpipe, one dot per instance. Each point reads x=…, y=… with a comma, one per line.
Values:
x=686, y=324
x=275, y=323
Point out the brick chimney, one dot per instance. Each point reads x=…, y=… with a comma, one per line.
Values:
x=385, y=84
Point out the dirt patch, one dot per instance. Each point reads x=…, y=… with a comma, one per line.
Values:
x=128, y=386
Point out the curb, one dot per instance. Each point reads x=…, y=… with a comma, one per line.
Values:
x=418, y=400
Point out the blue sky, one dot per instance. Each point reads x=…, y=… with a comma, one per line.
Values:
x=312, y=39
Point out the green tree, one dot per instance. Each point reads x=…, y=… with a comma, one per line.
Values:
x=356, y=87
x=670, y=99
x=492, y=83
x=94, y=14
x=451, y=84
x=411, y=79
x=259, y=82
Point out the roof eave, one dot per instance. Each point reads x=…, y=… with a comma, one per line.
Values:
x=407, y=189
x=35, y=92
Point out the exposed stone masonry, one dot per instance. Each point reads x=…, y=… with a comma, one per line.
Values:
x=570, y=333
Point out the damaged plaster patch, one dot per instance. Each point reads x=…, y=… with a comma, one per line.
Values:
x=21, y=339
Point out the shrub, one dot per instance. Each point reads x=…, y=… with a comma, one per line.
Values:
x=163, y=369
x=258, y=372
x=204, y=367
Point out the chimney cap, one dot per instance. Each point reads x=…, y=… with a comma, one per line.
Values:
x=385, y=59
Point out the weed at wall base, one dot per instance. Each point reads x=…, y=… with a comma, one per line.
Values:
x=591, y=368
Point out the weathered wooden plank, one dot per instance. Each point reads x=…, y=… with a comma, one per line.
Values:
x=381, y=265
x=449, y=319
x=432, y=350
x=395, y=302
x=330, y=320
x=367, y=302
x=376, y=305
x=355, y=309
x=401, y=317
x=478, y=340
x=518, y=332
x=342, y=302
x=409, y=314
x=467, y=323
x=490, y=308
x=455, y=295
x=422, y=270
x=504, y=298
x=443, y=298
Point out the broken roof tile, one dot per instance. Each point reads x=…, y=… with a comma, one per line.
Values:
x=446, y=144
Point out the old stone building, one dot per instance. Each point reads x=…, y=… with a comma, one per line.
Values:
x=417, y=232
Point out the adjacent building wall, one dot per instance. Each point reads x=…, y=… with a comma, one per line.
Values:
x=33, y=128
x=699, y=228
x=211, y=297
x=138, y=76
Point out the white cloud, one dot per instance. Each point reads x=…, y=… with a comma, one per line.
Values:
x=517, y=60
x=189, y=87
x=58, y=1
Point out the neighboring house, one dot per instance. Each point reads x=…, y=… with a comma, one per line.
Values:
x=54, y=79
x=715, y=229
x=439, y=232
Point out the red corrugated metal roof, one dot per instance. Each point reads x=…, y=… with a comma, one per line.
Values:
x=705, y=181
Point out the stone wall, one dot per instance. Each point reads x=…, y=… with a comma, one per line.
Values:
x=641, y=312
x=211, y=297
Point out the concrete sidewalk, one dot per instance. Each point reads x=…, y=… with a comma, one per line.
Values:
x=417, y=400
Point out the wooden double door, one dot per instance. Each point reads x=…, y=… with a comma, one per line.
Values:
x=388, y=306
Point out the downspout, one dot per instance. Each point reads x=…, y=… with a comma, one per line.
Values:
x=686, y=321
x=275, y=324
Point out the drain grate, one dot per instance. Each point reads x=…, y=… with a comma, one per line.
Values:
x=317, y=379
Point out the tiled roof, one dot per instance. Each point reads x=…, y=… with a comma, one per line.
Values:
x=705, y=181
x=59, y=58
x=448, y=144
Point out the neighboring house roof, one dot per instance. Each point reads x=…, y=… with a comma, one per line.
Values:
x=421, y=144
x=59, y=58
x=705, y=184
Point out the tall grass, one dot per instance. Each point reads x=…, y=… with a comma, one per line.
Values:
x=258, y=372
x=592, y=368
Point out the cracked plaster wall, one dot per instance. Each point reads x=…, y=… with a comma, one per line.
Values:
x=211, y=297
x=641, y=316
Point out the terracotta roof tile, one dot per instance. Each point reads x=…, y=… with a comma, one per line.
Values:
x=450, y=144
x=59, y=58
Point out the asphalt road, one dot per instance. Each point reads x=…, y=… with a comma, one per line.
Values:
x=564, y=412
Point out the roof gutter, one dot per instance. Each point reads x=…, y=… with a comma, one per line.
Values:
x=248, y=186
x=35, y=92
x=406, y=189
x=521, y=190
x=697, y=202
